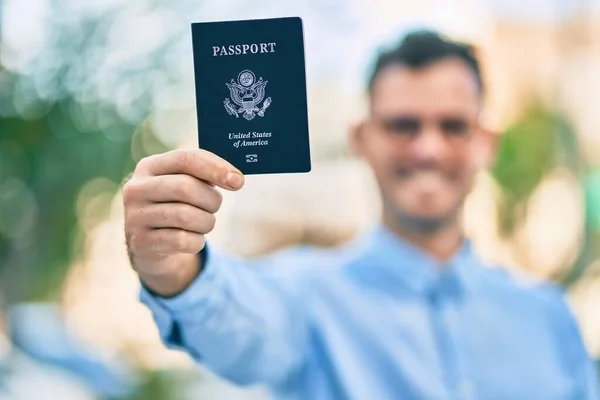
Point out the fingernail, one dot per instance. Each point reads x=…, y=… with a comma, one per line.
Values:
x=234, y=180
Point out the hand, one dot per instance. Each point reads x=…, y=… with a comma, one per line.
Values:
x=170, y=204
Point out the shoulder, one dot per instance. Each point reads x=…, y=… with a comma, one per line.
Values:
x=542, y=303
x=548, y=304
x=526, y=291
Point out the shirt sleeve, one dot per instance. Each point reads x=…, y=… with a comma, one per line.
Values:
x=579, y=362
x=593, y=378
x=235, y=319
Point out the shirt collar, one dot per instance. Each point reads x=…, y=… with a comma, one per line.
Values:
x=390, y=260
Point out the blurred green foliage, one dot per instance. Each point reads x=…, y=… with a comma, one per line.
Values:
x=159, y=385
x=71, y=127
x=592, y=196
x=51, y=160
x=58, y=177
x=537, y=143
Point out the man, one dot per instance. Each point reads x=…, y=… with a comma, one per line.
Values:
x=406, y=311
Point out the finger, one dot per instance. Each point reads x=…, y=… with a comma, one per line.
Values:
x=174, y=215
x=199, y=163
x=181, y=189
x=168, y=241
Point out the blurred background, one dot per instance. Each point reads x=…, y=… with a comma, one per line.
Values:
x=88, y=88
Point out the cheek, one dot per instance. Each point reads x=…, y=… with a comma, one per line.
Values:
x=376, y=149
x=383, y=158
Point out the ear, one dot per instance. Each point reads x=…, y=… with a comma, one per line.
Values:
x=356, y=137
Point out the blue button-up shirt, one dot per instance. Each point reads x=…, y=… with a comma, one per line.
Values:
x=378, y=319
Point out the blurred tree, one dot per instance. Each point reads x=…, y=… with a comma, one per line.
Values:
x=158, y=386
x=65, y=147
x=70, y=132
x=592, y=186
x=537, y=143
x=41, y=182
x=591, y=238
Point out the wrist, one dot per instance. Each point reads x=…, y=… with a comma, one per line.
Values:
x=179, y=273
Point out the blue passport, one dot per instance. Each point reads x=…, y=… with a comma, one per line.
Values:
x=251, y=93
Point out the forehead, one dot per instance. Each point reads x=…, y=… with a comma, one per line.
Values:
x=446, y=86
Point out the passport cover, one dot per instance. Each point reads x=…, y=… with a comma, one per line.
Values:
x=251, y=93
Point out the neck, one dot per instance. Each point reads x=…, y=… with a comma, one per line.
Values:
x=441, y=243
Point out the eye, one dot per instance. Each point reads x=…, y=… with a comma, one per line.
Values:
x=455, y=126
x=403, y=125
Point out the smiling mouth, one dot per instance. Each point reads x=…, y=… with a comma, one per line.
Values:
x=426, y=176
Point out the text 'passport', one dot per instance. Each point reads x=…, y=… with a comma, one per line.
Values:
x=251, y=93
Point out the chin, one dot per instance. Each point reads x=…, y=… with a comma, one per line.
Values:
x=422, y=213
x=422, y=223
x=421, y=219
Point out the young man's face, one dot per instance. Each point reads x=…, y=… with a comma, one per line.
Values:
x=423, y=140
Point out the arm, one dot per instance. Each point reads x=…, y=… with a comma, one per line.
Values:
x=231, y=317
x=593, y=378
x=235, y=320
x=577, y=359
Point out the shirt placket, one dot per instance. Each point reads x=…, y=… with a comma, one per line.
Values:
x=444, y=298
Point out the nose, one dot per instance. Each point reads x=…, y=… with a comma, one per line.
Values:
x=429, y=145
